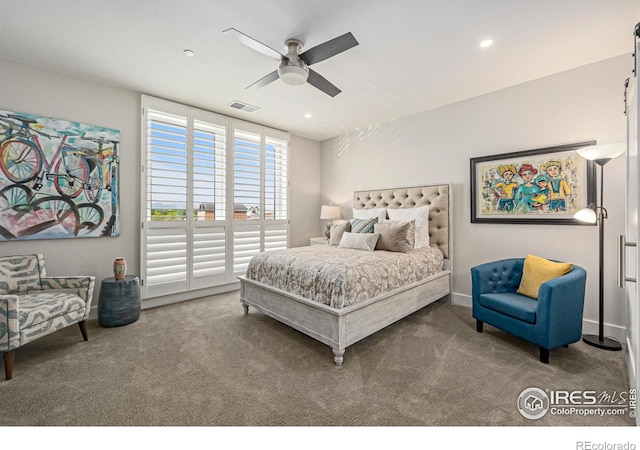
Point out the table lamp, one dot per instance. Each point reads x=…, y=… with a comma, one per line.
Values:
x=329, y=212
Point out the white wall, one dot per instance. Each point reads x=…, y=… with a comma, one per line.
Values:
x=24, y=89
x=305, y=190
x=29, y=90
x=435, y=146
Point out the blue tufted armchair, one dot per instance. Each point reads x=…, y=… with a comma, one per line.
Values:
x=553, y=320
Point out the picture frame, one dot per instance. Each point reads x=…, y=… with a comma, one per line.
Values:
x=544, y=186
x=58, y=179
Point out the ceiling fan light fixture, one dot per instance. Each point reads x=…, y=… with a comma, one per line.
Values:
x=293, y=75
x=486, y=43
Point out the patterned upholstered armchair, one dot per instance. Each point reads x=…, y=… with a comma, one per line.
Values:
x=33, y=305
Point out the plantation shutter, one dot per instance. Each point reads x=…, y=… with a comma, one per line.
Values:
x=247, y=195
x=209, y=204
x=166, y=194
x=276, y=182
x=260, y=188
x=184, y=244
x=215, y=194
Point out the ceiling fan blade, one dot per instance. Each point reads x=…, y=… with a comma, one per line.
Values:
x=252, y=43
x=273, y=76
x=328, y=49
x=320, y=82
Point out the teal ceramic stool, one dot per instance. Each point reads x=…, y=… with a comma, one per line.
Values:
x=119, y=302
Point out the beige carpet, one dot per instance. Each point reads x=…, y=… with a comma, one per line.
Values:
x=205, y=363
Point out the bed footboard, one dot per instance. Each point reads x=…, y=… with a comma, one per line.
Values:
x=340, y=328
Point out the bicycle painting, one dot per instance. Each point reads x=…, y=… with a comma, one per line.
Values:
x=58, y=179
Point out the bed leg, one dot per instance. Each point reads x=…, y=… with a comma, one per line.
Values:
x=246, y=309
x=338, y=356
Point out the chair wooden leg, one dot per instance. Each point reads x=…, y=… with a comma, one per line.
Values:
x=83, y=330
x=544, y=355
x=8, y=364
x=479, y=325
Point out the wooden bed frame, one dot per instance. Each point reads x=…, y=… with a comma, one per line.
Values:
x=342, y=327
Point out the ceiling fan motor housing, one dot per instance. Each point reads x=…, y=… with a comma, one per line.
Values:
x=292, y=69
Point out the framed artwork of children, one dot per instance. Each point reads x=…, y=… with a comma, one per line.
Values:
x=540, y=186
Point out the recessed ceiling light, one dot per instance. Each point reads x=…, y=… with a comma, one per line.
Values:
x=188, y=53
x=486, y=43
x=307, y=116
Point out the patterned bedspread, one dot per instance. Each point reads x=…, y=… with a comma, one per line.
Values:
x=339, y=277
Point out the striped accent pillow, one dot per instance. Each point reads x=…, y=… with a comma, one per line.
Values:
x=363, y=225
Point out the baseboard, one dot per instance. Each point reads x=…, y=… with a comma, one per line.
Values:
x=173, y=298
x=588, y=326
x=615, y=331
x=461, y=299
x=184, y=296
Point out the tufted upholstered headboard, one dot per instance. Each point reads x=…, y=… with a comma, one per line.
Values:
x=438, y=196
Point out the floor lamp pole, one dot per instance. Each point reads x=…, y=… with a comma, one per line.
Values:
x=600, y=340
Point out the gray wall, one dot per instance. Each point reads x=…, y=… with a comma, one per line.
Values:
x=435, y=146
x=29, y=90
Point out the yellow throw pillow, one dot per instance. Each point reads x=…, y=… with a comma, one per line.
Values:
x=536, y=271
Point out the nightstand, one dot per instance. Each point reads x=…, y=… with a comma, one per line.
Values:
x=119, y=301
x=318, y=241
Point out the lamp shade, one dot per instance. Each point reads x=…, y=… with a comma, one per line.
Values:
x=330, y=212
x=604, y=152
x=586, y=215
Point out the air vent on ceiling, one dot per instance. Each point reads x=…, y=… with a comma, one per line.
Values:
x=243, y=106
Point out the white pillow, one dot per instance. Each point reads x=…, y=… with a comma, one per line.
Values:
x=359, y=241
x=380, y=213
x=420, y=215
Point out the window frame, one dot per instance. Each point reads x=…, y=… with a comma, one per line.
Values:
x=190, y=225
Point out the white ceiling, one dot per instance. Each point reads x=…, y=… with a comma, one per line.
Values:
x=414, y=55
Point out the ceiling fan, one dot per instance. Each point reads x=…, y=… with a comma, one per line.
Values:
x=294, y=66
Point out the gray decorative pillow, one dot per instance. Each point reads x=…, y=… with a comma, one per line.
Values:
x=363, y=225
x=411, y=231
x=336, y=232
x=359, y=241
x=393, y=236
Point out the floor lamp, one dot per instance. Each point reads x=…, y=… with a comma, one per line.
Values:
x=601, y=155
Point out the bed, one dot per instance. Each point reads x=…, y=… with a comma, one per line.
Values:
x=342, y=320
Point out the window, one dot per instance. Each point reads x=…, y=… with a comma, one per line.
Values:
x=260, y=188
x=215, y=194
